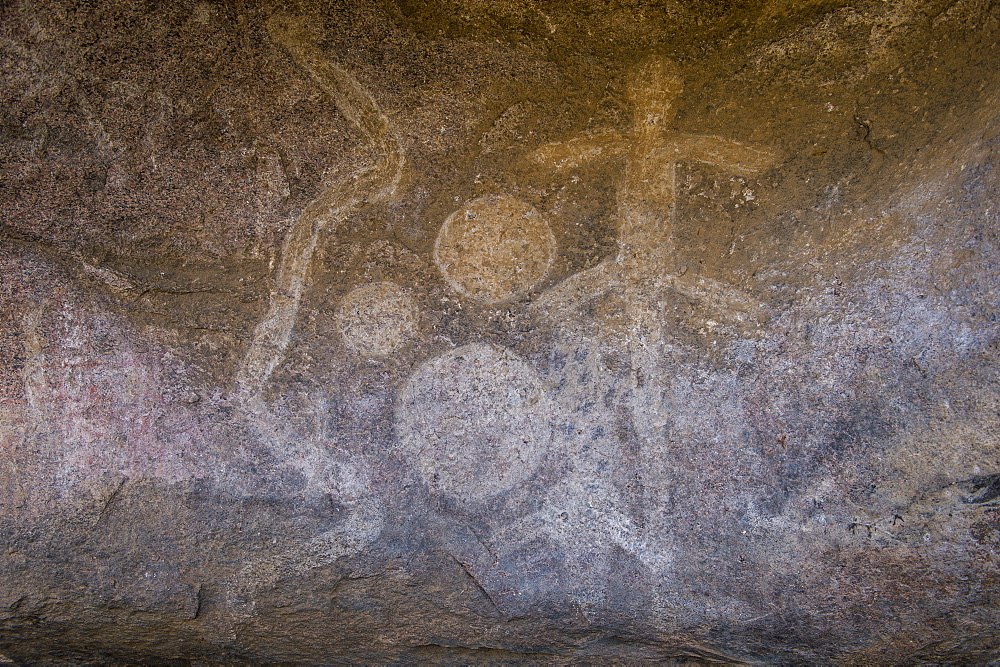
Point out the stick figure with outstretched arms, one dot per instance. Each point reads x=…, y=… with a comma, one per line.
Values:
x=647, y=193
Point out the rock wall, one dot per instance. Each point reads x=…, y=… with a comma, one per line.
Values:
x=500, y=331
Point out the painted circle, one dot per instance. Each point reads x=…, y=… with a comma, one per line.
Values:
x=377, y=319
x=494, y=248
x=473, y=422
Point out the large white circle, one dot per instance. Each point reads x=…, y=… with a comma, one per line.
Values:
x=474, y=422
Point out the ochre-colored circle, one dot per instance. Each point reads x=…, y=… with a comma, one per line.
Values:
x=474, y=422
x=377, y=319
x=494, y=248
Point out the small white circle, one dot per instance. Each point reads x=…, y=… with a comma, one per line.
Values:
x=377, y=319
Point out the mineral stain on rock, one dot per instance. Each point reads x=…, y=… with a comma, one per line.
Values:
x=499, y=332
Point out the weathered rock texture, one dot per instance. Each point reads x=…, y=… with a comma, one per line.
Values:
x=496, y=331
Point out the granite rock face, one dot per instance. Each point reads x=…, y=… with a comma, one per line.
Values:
x=500, y=331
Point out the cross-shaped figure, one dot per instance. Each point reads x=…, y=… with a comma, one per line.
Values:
x=647, y=195
x=644, y=277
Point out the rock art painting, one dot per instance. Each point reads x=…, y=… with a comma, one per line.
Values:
x=664, y=317
x=494, y=249
x=84, y=382
x=335, y=203
x=475, y=423
x=475, y=428
x=466, y=332
x=646, y=199
x=377, y=319
x=373, y=320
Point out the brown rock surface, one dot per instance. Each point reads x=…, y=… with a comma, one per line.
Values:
x=500, y=331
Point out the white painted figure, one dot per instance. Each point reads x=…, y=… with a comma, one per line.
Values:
x=369, y=185
x=643, y=281
x=494, y=248
x=323, y=470
x=377, y=319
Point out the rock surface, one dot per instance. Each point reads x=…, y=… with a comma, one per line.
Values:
x=500, y=331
